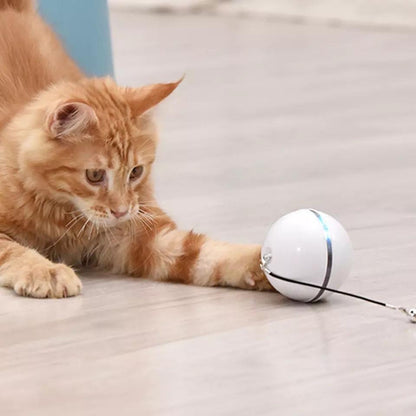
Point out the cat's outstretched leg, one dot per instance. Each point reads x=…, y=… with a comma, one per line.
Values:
x=30, y=274
x=187, y=257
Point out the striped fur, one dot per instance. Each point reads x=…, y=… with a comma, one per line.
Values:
x=55, y=124
x=18, y=5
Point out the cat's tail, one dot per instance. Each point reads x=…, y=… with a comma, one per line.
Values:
x=19, y=5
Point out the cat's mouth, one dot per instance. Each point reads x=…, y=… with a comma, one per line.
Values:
x=108, y=221
x=138, y=217
x=102, y=217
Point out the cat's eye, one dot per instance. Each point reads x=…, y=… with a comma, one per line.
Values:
x=136, y=173
x=95, y=176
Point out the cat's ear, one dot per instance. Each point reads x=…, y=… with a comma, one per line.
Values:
x=71, y=119
x=144, y=98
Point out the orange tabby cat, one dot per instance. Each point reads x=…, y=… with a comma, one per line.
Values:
x=76, y=156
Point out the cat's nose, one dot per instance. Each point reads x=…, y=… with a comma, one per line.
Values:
x=119, y=214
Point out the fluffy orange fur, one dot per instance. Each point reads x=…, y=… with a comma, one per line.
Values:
x=76, y=158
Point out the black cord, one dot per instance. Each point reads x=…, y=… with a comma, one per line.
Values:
x=340, y=292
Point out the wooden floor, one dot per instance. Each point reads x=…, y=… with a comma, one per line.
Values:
x=270, y=118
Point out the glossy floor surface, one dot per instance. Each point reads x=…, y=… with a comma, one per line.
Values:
x=270, y=118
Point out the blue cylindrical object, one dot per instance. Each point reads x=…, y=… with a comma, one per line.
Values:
x=84, y=28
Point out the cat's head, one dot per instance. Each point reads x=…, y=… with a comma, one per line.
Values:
x=92, y=144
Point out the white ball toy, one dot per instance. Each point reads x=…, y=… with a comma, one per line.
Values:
x=307, y=246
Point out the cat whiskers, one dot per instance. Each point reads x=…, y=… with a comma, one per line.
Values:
x=144, y=220
x=93, y=227
x=68, y=227
x=137, y=221
x=148, y=214
x=88, y=219
x=92, y=252
x=74, y=219
x=150, y=204
x=109, y=235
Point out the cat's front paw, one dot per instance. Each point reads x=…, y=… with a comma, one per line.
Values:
x=254, y=278
x=44, y=279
